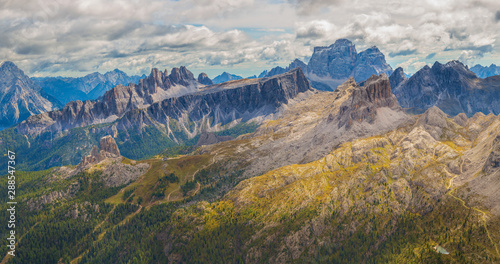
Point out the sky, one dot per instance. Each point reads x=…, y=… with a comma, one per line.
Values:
x=244, y=37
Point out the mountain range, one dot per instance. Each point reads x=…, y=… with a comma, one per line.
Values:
x=485, y=71
x=382, y=168
x=88, y=87
x=339, y=177
x=452, y=87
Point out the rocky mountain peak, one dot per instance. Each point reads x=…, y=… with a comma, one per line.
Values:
x=108, y=144
x=331, y=66
x=461, y=119
x=342, y=43
x=204, y=79
x=108, y=149
x=434, y=117
x=225, y=76
x=397, y=77
x=365, y=99
x=20, y=97
x=10, y=73
x=452, y=68
x=181, y=76
x=9, y=66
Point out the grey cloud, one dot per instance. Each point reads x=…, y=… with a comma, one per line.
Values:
x=459, y=34
x=27, y=48
x=403, y=53
x=481, y=49
x=497, y=16
x=430, y=56
x=116, y=54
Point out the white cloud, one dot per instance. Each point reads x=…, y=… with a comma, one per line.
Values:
x=412, y=65
x=61, y=36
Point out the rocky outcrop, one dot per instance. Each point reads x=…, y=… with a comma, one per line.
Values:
x=365, y=100
x=452, y=87
x=35, y=204
x=20, y=97
x=485, y=71
x=115, y=102
x=434, y=122
x=108, y=149
x=331, y=66
x=461, y=119
x=204, y=79
x=225, y=77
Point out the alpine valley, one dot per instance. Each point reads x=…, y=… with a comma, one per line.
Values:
x=340, y=160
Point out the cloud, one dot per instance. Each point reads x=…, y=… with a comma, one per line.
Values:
x=72, y=36
x=315, y=29
x=412, y=65
x=469, y=57
x=403, y=53
x=430, y=56
x=308, y=7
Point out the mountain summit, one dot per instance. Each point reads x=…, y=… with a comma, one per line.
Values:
x=334, y=64
x=452, y=87
x=20, y=97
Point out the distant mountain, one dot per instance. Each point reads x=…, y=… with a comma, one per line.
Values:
x=263, y=74
x=330, y=66
x=115, y=102
x=452, y=87
x=204, y=79
x=484, y=72
x=225, y=76
x=88, y=87
x=333, y=65
x=279, y=70
x=397, y=77
x=20, y=97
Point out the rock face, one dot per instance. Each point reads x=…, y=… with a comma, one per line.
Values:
x=279, y=70
x=397, y=77
x=485, y=71
x=237, y=101
x=88, y=87
x=203, y=79
x=108, y=149
x=20, y=97
x=225, y=77
x=115, y=102
x=452, y=87
x=334, y=64
x=365, y=100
